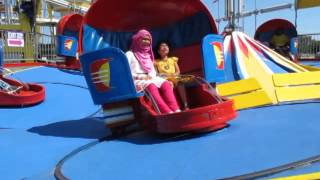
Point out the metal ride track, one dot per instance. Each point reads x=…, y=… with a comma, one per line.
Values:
x=61, y=83
x=60, y=176
x=259, y=174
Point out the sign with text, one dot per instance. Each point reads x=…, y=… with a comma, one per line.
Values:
x=15, y=39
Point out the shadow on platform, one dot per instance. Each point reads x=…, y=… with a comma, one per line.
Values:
x=83, y=128
x=148, y=138
x=89, y=128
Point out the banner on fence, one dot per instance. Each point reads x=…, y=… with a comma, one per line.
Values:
x=15, y=39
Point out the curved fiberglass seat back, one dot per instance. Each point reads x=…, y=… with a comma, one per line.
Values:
x=108, y=76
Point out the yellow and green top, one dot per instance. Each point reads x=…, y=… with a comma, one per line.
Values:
x=167, y=66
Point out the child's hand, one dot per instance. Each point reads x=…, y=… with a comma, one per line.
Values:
x=145, y=77
x=148, y=77
x=162, y=75
x=151, y=75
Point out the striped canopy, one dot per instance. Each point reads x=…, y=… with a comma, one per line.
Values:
x=246, y=57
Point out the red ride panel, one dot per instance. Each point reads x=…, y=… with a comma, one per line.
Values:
x=24, y=97
x=205, y=114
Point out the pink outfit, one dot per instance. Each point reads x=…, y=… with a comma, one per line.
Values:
x=141, y=64
x=164, y=97
x=143, y=53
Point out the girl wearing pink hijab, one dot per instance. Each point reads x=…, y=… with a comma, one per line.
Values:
x=145, y=77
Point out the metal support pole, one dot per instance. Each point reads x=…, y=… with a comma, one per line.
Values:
x=229, y=12
x=255, y=15
x=296, y=13
x=233, y=14
x=6, y=5
x=240, y=13
x=259, y=11
x=219, y=15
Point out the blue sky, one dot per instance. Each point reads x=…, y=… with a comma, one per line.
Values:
x=308, y=19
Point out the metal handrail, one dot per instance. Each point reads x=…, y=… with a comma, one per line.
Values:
x=153, y=101
x=309, y=34
x=197, y=79
x=309, y=46
x=212, y=90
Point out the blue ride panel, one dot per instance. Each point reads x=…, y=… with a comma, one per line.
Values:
x=70, y=33
x=194, y=28
x=67, y=46
x=213, y=58
x=94, y=39
x=108, y=76
x=1, y=55
x=294, y=46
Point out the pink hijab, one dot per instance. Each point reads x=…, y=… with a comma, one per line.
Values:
x=143, y=54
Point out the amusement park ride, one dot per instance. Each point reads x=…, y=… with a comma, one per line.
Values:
x=237, y=66
x=241, y=68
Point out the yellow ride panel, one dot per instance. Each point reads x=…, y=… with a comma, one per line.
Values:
x=252, y=99
x=246, y=93
x=294, y=79
x=297, y=86
x=295, y=93
x=310, y=68
x=312, y=176
x=238, y=87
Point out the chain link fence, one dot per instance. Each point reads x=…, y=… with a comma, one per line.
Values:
x=29, y=47
x=309, y=46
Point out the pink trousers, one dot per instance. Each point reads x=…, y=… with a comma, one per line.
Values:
x=164, y=97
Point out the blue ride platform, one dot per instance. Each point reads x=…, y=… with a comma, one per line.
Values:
x=34, y=139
